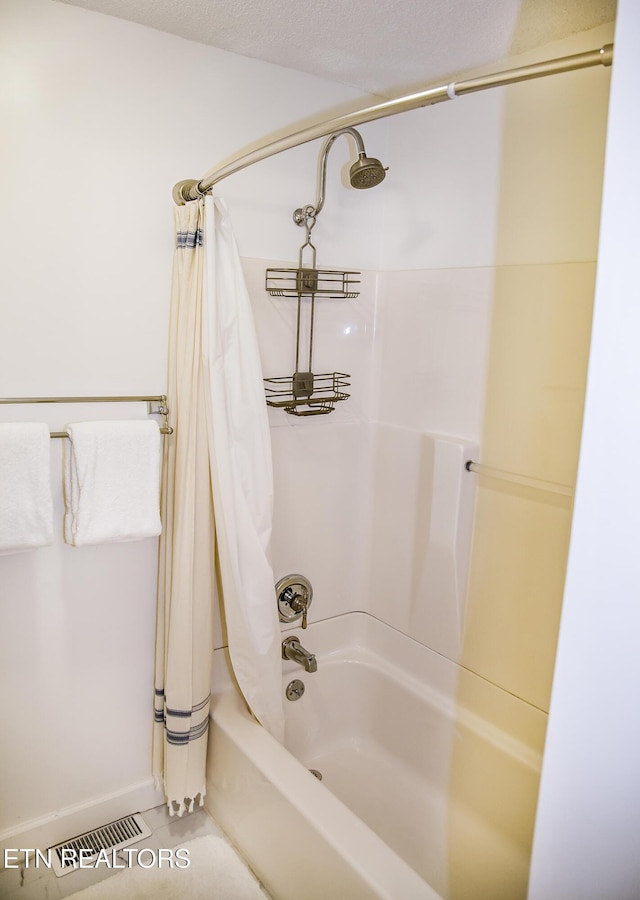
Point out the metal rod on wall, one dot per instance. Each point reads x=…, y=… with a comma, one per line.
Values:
x=191, y=189
x=516, y=478
x=160, y=399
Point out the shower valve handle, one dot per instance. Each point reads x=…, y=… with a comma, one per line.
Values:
x=299, y=604
x=294, y=595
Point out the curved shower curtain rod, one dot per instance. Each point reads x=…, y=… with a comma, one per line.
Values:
x=191, y=189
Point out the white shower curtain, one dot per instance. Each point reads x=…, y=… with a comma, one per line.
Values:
x=217, y=495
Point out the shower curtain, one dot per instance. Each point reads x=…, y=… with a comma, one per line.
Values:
x=217, y=494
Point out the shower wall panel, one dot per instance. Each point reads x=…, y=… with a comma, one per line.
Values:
x=430, y=358
x=431, y=349
x=419, y=536
x=321, y=486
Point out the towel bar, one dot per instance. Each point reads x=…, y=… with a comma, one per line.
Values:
x=160, y=399
x=515, y=478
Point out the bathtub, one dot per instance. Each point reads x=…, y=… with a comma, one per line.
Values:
x=429, y=775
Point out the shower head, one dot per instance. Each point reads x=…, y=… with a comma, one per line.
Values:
x=367, y=172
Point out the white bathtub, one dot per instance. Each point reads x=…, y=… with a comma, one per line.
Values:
x=430, y=775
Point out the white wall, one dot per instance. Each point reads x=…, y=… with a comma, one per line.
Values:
x=104, y=117
x=586, y=839
x=100, y=118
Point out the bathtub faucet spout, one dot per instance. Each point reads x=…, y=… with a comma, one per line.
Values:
x=293, y=649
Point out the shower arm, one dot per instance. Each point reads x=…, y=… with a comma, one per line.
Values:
x=192, y=189
x=304, y=214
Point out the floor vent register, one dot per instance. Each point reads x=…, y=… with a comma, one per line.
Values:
x=65, y=857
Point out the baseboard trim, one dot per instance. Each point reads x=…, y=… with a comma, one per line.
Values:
x=73, y=820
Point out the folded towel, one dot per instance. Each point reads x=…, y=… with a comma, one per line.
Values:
x=26, y=508
x=112, y=482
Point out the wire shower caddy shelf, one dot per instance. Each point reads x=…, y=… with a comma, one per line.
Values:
x=308, y=393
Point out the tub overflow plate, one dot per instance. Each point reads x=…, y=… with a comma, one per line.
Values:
x=295, y=689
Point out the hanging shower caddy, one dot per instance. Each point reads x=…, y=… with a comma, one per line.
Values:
x=307, y=393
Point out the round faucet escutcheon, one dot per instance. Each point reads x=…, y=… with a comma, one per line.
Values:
x=293, y=595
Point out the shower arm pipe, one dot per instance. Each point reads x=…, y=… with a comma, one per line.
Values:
x=324, y=155
x=191, y=189
x=515, y=478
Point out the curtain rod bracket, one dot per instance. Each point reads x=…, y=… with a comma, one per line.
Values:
x=187, y=190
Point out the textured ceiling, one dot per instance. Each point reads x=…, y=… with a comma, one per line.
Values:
x=379, y=46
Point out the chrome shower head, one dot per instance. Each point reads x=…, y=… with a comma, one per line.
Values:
x=366, y=172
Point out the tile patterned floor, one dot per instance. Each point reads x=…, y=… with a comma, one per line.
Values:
x=42, y=883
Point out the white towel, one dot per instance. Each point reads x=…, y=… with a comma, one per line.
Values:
x=112, y=482
x=26, y=507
